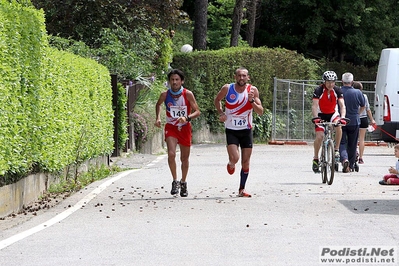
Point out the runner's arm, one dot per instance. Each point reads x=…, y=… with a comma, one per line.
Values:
x=158, y=105
x=217, y=102
x=194, y=105
x=257, y=104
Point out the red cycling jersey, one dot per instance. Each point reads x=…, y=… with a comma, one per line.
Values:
x=328, y=101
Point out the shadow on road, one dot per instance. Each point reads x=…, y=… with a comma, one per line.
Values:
x=372, y=206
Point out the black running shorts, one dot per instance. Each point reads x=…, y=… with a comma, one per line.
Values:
x=242, y=138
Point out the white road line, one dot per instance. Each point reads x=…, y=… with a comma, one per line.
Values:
x=15, y=238
x=11, y=240
x=157, y=160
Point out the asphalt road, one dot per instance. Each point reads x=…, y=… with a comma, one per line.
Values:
x=131, y=218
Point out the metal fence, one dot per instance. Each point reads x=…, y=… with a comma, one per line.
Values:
x=292, y=108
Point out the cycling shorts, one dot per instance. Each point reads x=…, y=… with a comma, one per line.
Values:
x=327, y=117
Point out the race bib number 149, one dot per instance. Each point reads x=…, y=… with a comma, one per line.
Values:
x=178, y=111
x=239, y=122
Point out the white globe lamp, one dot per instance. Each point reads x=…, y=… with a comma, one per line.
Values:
x=186, y=48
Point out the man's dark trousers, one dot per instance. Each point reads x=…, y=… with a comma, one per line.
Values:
x=348, y=145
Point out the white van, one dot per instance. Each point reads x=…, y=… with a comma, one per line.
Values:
x=386, y=102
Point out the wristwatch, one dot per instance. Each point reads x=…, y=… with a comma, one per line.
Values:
x=252, y=101
x=188, y=119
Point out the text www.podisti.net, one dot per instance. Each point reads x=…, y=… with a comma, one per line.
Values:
x=373, y=255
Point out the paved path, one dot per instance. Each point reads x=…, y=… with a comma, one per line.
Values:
x=131, y=219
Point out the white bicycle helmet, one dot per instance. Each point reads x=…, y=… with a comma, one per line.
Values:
x=330, y=75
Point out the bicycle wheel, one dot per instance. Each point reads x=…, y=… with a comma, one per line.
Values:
x=323, y=164
x=330, y=162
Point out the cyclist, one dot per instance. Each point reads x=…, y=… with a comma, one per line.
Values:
x=326, y=99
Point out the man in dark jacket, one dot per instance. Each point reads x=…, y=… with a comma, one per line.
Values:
x=354, y=103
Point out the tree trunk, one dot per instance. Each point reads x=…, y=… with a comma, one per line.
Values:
x=252, y=11
x=237, y=17
x=200, y=24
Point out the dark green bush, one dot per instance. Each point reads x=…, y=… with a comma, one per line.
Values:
x=360, y=73
x=207, y=71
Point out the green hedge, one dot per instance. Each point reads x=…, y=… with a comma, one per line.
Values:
x=22, y=44
x=55, y=107
x=75, y=115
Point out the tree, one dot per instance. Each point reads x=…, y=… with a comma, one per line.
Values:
x=200, y=24
x=236, y=22
x=84, y=20
x=339, y=30
x=219, y=23
x=251, y=14
x=354, y=31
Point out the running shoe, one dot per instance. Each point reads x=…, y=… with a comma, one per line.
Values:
x=383, y=182
x=230, y=169
x=183, y=189
x=345, y=166
x=315, y=166
x=175, y=188
x=244, y=194
x=361, y=161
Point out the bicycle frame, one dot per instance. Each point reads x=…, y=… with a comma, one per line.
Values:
x=327, y=157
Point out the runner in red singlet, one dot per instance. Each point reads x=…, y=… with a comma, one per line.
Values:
x=181, y=108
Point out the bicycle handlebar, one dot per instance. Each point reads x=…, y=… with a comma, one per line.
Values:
x=325, y=123
x=336, y=123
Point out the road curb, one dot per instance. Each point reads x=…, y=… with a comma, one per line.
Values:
x=281, y=142
x=276, y=142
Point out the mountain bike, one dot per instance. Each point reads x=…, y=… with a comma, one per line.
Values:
x=327, y=157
